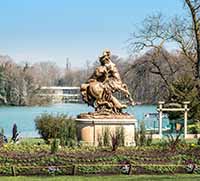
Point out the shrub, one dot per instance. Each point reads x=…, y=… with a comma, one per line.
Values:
x=117, y=139
x=137, y=138
x=142, y=134
x=54, y=145
x=114, y=141
x=67, y=133
x=198, y=141
x=60, y=126
x=174, y=142
x=109, y=138
x=194, y=128
x=1, y=141
x=3, y=138
x=119, y=132
x=106, y=137
x=149, y=139
x=100, y=140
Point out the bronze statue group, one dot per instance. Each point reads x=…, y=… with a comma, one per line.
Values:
x=99, y=89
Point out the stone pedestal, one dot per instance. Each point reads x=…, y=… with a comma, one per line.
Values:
x=89, y=130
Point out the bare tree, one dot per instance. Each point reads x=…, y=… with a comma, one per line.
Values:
x=46, y=73
x=194, y=9
x=153, y=37
x=158, y=33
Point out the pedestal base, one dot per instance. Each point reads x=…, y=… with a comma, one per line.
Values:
x=90, y=130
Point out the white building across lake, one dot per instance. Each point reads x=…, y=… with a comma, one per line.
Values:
x=62, y=94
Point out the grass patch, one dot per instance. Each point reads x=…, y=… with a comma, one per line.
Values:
x=32, y=141
x=188, y=141
x=185, y=177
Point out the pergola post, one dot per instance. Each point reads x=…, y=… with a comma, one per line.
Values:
x=185, y=118
x=160, y=117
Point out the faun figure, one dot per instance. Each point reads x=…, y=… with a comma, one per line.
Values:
x=99, y=89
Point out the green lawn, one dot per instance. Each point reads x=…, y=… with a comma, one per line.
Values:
x=189, y=141
x=107, y=178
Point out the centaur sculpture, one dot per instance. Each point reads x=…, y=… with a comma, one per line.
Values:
x=98, y=90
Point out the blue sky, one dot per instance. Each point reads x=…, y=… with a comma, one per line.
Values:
x=42, y=30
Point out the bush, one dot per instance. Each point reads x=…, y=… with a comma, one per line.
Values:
x=137, y=138
x=109, y=138
x=54, y=146
x=117, y=139
x=142, y=137
x=174, y=142
x=106, y=137
x=149, y=139
x=194, y=128
x=3, y=138
x=120, y=135
x=100, y=140
x=198, y=141
x=60, y=126
x=1, y=141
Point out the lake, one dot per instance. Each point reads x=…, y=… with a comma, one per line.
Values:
x=24, y=116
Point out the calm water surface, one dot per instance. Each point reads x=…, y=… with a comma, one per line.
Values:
x=24, y=116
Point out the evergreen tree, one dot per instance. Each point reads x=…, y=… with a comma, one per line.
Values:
x=185, y=88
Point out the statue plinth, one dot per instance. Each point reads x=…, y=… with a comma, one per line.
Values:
x=98, y=92
x=91, y=129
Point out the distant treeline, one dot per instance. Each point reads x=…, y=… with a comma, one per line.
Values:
x=20, y=83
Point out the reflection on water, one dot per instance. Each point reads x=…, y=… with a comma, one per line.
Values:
x=24, y=116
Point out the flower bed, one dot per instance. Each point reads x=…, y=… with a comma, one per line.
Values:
x=38, y=160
